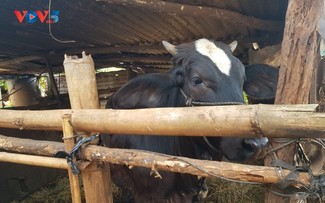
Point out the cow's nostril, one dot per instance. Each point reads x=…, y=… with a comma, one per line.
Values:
x=264, y=141
x=255, y=143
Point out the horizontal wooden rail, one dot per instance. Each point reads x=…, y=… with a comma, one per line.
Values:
x=245, y=120
x=153, y=161
x=28, y=146
x=204, y=168
x=32, y=160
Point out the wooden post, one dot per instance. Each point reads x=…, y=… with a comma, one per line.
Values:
x=81, y=82
x=54, y=86
x=69, y=142
x=299, y=51
x=1, y=102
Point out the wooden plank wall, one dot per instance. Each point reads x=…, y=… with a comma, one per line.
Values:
x=107, y=84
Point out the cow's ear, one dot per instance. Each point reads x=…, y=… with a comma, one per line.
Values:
x=178, y=76
x=261, y=83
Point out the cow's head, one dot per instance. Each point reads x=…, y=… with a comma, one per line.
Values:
x=207, y=71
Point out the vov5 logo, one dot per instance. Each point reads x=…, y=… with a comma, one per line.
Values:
x=34, y=16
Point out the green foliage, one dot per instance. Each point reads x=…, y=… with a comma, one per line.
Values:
x=43, y=85
x=43, y=82
x=245, y=98
x=3, y=85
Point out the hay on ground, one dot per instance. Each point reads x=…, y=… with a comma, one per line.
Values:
x=220, y=191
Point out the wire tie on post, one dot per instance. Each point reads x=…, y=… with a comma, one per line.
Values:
x=70, y=156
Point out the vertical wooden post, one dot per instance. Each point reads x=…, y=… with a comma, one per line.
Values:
x=82, y=87
x=54, y=86
x=69, y=143
x=1, y=102
x=299, y=54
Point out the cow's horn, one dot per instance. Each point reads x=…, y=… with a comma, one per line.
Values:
x=170, y=48
x=233, y=45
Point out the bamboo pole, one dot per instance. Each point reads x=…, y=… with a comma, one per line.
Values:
x=156, y=161
x=83, y=94
x=49, y=162
x=69, y=142
x=292, y=121
x=29, y=146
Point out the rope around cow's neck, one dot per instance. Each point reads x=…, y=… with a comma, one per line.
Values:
x=189, y=102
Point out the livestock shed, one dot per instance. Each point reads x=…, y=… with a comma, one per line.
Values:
x=124, y=39
x=129, y=33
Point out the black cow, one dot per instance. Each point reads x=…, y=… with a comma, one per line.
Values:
x=261, y=83
x=203, y=71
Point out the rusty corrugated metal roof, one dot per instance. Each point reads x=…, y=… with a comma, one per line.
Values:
x=129, y=32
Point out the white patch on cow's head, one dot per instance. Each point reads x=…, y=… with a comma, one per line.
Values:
x=216, y=54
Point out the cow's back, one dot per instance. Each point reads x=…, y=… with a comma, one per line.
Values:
x=149, y=91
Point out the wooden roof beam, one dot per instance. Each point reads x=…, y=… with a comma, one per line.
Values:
x=144, y=59
x=203, y=12
x=159, y=49
x=19, y=60
x=122, y=48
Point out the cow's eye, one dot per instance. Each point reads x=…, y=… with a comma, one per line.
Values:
x=197, y=81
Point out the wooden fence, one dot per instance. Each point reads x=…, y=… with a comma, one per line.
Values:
x=252, y=120
x=293, y=121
